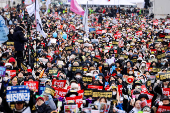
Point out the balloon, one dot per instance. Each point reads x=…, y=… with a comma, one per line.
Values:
x=65, y=36
x=55, y=35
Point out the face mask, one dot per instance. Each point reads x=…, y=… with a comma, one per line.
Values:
x=44, y=76
x=100, y=79
x=143, y=81
x=5, y=79
x=3, y=58
x=78, y=76
x=92, y=54
x=114, y=92
x=163, y=63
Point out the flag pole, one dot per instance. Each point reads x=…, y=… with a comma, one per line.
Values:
x=36, y=33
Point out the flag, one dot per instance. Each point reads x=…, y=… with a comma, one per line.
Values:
x=22, y=15
x=76, y=8
x=31, y=11
x=6, y=7
x=85, y=20
x=41, y=74
x=28, y=2
x=47, y=4
x=4, y=30
x=31, y=8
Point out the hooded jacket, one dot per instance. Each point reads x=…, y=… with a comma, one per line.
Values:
x=19, y=39
x=44, y=109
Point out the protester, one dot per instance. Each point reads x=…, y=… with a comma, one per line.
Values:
x=52, y=64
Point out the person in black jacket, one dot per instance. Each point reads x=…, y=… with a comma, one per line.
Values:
x=42, y=107
x=19, y=41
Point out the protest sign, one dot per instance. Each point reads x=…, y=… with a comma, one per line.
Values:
x=53, y=71
x=60, y=92
x=80, y=92
x=70, y=108
x=41, y=89
x=11, y=73
x=92, y=29
x=2, y=71
x=17, y=93
x=166, y=91
x=33, y=85
x=87, y=110
x=120, y=89
x=10, y=44
x=74, y=68
x=49, y=91
x=98, y=31
x=87, y=79
x=59, y=83
x=72, y=27
x=95, y=87
x=77, y=99
x=88, y=93
x=162, y=109
x=106, y=94
x=144, y=90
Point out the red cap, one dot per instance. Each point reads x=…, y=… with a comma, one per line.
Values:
x=11, y=60
x=39, y=98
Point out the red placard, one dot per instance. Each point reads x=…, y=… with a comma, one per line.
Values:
x=121, y=43
x=98, y=31
x=59, y=92
x=59, y=83
x=80, y=92
x=120, y=89
x=166, y=91
x=162, y=109
x=60, y=27
x=33, y=85
x=72, y=27
x=144, y=90
x=117, y=35
x=107, y=88
x=95, y=87
x=49, y=57
x=149, y=103
x=43, y=44
x=77, y=99
x=139, y=33
x=142, y=26
x=11, y=73
x=29, y=70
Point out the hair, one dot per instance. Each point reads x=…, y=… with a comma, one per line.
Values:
x=103, y=98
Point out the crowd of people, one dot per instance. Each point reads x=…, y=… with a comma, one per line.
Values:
x=121, y=65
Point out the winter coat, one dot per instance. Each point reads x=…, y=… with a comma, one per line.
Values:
x=19, y=39
x=44, y=109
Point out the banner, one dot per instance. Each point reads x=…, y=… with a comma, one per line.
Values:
x=2, y=71
x=92, y=29
x=49, y=90
x=4, y=31
x=70, y=108
x=59, y=83
x=95, y=87
x=41, y=89
x=77, y=99
x=106, y=94
x=60, y=92
x=87, y=79
x=166, y=91
x=33, y=85
x=18, y=93
x=162, y=109
x=47, y=4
